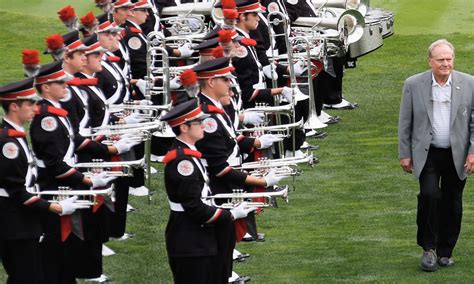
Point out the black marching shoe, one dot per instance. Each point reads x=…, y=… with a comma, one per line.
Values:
x=445, y=261
x=429, y=261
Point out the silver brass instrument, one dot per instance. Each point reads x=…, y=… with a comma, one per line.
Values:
x=283, y=130
x=86, y=197
x=181, y=25
x=239, y=196
x=350, y=24
x=117, y=169
x=274, y=163
x=283, y=171
x=360, y=5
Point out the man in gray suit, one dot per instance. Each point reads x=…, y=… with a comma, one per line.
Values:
x=436, y=142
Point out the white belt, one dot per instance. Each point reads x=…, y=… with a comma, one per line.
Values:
x=234, y=161
x=4, y=193
x=176, y=207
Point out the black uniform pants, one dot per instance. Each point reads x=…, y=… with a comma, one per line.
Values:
x=21, y=260
x=193, y=269
x=439, y=203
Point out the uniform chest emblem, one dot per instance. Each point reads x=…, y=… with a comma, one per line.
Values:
x=241, y=52
x=134, y=43
x=49, y=123
x=185, y=168
x=10, y=150
x=273, y=7
x=210, y=125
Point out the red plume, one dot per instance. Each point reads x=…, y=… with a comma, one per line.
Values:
x=225, y=36
x=30, y=56
x=66, y=13
x=218, y=52
x=230, y=14
x=54, y=41
x=248, y=42
x=188, y=78
x=228, y=4
x=88, y=19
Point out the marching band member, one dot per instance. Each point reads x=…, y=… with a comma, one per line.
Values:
x=55, y=144
x=20, y=208
x=186, y=181
x=221, y=146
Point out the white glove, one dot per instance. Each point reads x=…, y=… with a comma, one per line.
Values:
x=299, y=95
x=271, y=179
x=186, y=50
x=68, y=206
x=287, y=93
x=267, y=70
x=241, y=211
x=194, y=24
x=299, y=68
x=141, y=84
x=101, y=180
x=145, y=102
x=125, y=144
x=133, y=118
x=267, y=140
x=253, y=117
x=175, y=83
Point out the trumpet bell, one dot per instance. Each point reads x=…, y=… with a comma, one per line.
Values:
x=360, y=5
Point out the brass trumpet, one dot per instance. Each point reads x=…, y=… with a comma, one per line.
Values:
x=275, y=163
x=115, y=169
x=282, y=129
x=87, y=197
x=239, y=196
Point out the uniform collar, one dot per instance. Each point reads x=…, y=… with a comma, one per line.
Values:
x=55, y=104
x=434, y=83
x=215, y=102
x=192, y=147
x=14, y=125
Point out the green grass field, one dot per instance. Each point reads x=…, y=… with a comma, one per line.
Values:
x=351, y=218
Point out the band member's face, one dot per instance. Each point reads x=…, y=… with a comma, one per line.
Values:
x=251, y=21
x=195, y=130
x=94, y=61
x=140, y=15
x=108, y=41
x=121, y=14
x=221, y=86
x=441, y=61
x=77, y=61
x=56, y=90
x=25, y=110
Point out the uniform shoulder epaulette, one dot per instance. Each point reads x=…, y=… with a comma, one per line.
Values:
x=11, y=133
x=173, y=154
x=45, y=109
x=82, y=82
x=211, y=109
x=112, y=58
x=135, y=30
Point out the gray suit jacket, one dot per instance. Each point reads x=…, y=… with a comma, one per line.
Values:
x=416, y=116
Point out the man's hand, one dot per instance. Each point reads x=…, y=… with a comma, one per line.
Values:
x=469, y=165
x=407, y=165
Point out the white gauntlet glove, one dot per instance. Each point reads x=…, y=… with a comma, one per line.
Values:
x=299, y=68
x=241, y=211
x=267, y=140
x=175, y=83
x=133, y=118
x=141, y=85
x=101, y=180
x=271, y=179
x=267, y=70
x=186, y=50
x=68, y=206
x=125, y=144
x=287, y=93
x=253, y=117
